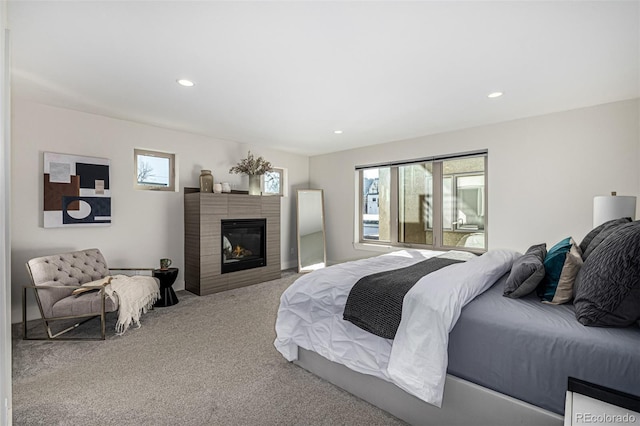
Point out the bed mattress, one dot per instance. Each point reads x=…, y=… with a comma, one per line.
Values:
x=518, y=347
x=527, y=349
x=311, y=316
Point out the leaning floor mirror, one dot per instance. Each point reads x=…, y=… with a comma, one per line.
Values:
x=312, y=252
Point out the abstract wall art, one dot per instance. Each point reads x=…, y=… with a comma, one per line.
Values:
x=76, y=191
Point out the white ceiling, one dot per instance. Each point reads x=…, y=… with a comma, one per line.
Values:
x=287, y=74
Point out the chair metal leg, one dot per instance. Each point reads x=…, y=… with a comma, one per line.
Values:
x=73, y=327
x=103, y=316
x=24, y=313
x=50, y=335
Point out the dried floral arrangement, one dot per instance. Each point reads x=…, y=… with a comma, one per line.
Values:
x=252, y=166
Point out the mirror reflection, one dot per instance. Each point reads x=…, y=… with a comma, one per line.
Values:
x=311, y=234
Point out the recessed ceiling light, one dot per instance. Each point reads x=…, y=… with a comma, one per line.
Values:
x=337, y=132
x=186, y=83
x=495, y=94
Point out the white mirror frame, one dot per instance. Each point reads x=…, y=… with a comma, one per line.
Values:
x=307, y=218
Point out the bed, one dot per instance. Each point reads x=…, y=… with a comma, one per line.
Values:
x=498, y=367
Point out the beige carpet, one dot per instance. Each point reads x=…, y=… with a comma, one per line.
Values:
x=206, y=361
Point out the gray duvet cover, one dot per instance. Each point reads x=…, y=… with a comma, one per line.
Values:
x=527, y=349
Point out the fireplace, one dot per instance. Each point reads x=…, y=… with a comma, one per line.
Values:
x=243, y=244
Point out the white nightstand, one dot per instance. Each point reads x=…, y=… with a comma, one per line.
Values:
x=590, y=404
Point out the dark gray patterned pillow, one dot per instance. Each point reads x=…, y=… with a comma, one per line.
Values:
x=526, y=273
x=597, y=235
x=607, y=288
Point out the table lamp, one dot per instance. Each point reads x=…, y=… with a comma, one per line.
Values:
x=609, y=207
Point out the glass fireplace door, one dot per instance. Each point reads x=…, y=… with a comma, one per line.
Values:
x=243, y=244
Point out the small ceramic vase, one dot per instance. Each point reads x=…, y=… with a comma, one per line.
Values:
x=206, y=181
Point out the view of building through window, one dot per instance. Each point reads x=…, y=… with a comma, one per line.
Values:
x=463, y=202
x=454, y=215
x=376, y=204
x=415, y=198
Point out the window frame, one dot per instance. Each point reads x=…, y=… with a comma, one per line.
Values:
x=159, y=154
x=455, y=177
x=437, y=193
x=283, y=182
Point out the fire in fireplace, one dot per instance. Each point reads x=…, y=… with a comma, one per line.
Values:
x=243, y=244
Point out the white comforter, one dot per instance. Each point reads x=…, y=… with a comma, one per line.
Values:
x=311, y=309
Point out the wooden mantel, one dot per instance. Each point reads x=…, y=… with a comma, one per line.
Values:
x=203, y=213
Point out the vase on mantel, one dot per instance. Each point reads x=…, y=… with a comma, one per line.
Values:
x=206, y=181
x=254, y=185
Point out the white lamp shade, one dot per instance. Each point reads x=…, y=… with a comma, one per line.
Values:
x=609, y=207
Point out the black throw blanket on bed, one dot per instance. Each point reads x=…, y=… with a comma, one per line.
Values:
x=375, y=301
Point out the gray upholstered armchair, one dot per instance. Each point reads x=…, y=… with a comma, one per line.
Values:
x=55, y=277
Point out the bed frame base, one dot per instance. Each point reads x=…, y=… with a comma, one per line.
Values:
x=464, y=403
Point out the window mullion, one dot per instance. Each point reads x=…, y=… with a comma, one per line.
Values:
x=360, y=207
x=394, y=200
x=486, y=201
x=437, y=204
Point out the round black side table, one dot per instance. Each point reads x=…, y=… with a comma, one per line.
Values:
x=167, y=277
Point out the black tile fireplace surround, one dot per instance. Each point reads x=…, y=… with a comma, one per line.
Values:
x=243, y=244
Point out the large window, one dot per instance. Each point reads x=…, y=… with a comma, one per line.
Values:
x=435, y=202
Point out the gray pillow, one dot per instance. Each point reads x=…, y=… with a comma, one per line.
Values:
x=607, y=288
x=526, y=273
x=597, y=235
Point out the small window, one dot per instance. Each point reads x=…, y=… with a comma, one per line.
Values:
x=275, y=182
x=154, y=170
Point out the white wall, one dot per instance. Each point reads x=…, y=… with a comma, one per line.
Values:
x=146, y=225
x=543, y=173
x=5, y=224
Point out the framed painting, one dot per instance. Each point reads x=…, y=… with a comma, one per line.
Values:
x=77, y=191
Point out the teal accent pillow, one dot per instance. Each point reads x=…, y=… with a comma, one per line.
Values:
x=553, y=264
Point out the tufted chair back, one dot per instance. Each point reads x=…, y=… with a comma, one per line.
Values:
x=73, y=268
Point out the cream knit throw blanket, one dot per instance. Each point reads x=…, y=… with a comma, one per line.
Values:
x=135, y=295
